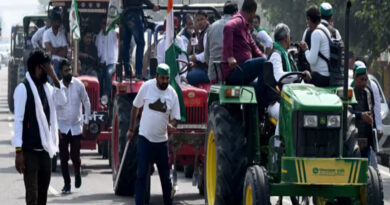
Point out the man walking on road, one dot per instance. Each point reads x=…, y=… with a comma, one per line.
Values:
x=71, y=123
x=161, y=109
x=36, y=130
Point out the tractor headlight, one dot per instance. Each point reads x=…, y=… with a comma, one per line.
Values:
x=104, y=100
x=333, y=121
x=310, y=121
x=94, y=128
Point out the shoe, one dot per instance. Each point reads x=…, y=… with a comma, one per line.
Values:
x=77, y=182
x=66, y=189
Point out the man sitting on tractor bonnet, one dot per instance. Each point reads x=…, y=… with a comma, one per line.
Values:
x=239, y=49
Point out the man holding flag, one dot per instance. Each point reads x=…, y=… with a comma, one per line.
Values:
x=161, y=110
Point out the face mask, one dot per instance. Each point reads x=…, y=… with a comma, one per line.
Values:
x=43, y=78
x=68, y=78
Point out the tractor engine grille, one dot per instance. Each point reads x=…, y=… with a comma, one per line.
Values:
x=315, y=142
x=197, y=114
x=93, y=97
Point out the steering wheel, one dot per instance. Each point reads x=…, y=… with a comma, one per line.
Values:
x=283, y=79
x=185, y=66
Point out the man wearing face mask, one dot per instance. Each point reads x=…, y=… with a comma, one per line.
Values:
x=161, y=110
x=35, y=124
x=71, y=123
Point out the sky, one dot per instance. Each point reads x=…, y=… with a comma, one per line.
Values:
x=13, y=11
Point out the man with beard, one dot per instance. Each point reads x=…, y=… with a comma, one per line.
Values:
x=161, y=110
x=36, y=130
x=71, y=123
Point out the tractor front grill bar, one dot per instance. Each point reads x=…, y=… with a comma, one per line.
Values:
x=93, y=98
x=197, y=114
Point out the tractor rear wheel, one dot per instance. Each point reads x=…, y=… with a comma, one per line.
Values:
x=374, y=187
x=123, y=154
x=256, y=187
x=226, y=161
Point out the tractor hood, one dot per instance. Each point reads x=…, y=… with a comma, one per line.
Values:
x=307, y=97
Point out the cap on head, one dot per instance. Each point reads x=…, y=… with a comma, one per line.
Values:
x=163, y=69
x=359, y=68
x=326, y=9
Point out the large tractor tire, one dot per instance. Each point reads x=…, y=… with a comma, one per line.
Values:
x=256, y=187
x=351, y=147
x=226, y=161
x=374, y=187
x=123, y=154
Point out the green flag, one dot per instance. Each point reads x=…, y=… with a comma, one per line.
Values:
x=74, y=20
x=113, y=15
x=171, y=54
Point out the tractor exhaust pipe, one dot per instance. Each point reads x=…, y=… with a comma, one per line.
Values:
x=346, y=67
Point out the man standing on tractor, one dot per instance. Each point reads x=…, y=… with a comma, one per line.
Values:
x=55, y=41
x=198, y=73
x=318, y=50
x=239, y=49
x=107, y=47
x=161, y=110
x=71, y=123
x=327, y=20
x=213, y=50
x=133, y=25
x=282, y=64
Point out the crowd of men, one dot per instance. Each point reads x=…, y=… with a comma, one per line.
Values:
x=237, y=40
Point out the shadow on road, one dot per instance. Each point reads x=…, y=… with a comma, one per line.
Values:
x=89, y=199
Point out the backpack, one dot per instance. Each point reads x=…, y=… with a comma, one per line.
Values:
x=336, y=60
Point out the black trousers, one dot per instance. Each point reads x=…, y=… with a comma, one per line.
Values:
x=37, y=175
x=74, y=142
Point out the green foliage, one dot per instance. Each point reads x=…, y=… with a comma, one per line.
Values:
x=369, y=22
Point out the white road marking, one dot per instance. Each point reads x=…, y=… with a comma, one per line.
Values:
x=384, y=171
x=53, y=191
x=10, y=118
x=10, y=124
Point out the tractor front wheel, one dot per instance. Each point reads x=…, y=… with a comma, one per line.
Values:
x=256, y=187
x=374, y=192
x=225, y=156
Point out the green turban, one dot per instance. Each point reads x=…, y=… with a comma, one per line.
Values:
x=326, y=9
x=163, y=69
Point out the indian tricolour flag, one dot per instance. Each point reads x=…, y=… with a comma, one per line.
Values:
x=171, y=54
x=74, y=21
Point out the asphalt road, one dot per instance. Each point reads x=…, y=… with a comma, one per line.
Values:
x=97, y=178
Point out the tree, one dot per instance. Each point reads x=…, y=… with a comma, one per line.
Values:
x=369, y=22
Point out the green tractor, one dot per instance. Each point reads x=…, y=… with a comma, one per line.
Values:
x=314, y=156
